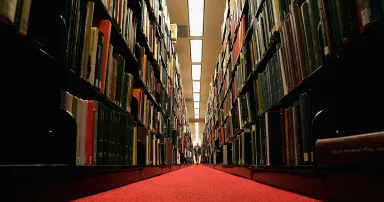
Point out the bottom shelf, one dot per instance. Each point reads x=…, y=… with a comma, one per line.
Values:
x=348, y=183
x=64, y=183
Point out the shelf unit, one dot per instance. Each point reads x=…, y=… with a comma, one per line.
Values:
x=254, y=36
x=37, y=59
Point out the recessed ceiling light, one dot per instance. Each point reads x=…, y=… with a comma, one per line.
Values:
x=196, y=50
x=196, y=17
x=196, y=72
x=196, y=105
x=197, y=111
x=196, y=97
x=197, y=116
x=196, y=86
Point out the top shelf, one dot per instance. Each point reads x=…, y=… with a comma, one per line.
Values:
x=121, y=46
x=70, y=81
x=118, y=41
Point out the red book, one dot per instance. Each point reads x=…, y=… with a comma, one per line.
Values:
x=366, y=149
x=105, y=27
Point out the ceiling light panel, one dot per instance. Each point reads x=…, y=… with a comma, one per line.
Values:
x=197, y=116
x=196, y=105
x=196, y=86
x=196, y=17
x=196, y=97
x=197, y=111
x=196, y=72
x=196, y=50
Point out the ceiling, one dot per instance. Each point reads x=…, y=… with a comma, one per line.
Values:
x=213, y=19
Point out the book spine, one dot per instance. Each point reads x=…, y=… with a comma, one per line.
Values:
x=365, y=149
x=8, y=11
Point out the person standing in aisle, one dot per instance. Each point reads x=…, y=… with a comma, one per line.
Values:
x=197, y=151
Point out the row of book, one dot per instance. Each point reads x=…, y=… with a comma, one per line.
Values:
x=298, y=37
x=87, y=50
x=150, y=30
x=170, y=74
x=288, y=69
x=161, y=88
x=104, y=136
x=169, y=91
x=230, y=74
x=91, y=40
x=91, y=47
x=16, y=13
x=307, y=17
x=124, y=19
x=236, y=8
x=157, y=32
x=282, y=137
x=164, y=23
x=109, y=137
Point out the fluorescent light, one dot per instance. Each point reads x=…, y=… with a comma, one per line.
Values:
x=197, y=111
x=196, y=124
x=196, y=97
x=196, y=105
x=197, y=116
x=196, y=86
x=196, y=136
x=196, y=50
x=196, y=17
x=196, y=72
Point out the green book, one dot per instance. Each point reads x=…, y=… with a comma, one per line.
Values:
x=335, y=25
x=343, y=20
x=304, y=44
x=129, y=142
x=308, y=38
x=95, y=131
x=313, y=14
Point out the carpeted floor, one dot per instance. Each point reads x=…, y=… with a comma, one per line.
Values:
x=196, y=183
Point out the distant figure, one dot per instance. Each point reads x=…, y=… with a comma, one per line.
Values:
x=197, y=151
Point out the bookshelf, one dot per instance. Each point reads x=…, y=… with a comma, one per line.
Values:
x=274, y=96
x=76, y=57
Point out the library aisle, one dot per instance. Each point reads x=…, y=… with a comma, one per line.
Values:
x=196, y=183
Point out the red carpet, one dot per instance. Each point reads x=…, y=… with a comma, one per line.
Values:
x=196, y=183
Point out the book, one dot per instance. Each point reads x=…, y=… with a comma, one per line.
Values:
x=362, y=149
